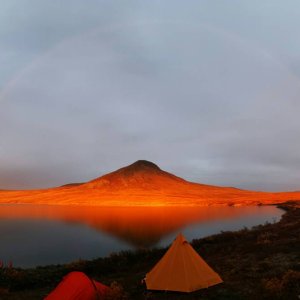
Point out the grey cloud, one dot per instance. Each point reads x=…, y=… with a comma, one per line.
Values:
x=189, y=88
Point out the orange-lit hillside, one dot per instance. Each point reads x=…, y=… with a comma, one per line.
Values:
x=144, y=184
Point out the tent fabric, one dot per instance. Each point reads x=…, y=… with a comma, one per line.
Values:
x=181, y=269
x=78, y=286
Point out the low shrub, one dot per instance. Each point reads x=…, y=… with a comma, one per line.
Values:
x=116, y=292
x=284, y=287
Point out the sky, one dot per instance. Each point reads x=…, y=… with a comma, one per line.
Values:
x=208, y=90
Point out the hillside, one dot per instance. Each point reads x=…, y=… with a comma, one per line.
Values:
x=143, y=184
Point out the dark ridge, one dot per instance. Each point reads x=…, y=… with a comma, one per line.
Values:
x=72, y=184
x=143, y=164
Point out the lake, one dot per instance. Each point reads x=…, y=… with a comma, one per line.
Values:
x=34, y=235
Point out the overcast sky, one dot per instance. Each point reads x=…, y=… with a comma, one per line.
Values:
x=208, y=90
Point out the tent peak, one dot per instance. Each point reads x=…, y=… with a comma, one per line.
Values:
x=180, y=238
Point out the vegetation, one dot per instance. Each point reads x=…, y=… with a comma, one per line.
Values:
x=261, y=263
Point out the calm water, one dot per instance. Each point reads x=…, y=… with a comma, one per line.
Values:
x=34, y=235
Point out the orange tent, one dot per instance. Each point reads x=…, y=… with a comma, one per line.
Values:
x=78, y=286
x=181, y=269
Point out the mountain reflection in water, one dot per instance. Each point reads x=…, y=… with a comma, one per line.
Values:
x=140, y=227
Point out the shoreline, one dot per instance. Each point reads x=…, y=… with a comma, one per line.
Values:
x=221, y=204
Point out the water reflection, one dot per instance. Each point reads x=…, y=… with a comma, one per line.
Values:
x=52, y=234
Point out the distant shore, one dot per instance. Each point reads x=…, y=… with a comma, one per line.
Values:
x=143, y=184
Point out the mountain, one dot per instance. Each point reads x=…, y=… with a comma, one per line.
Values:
x=143, y=183
x=142, y=174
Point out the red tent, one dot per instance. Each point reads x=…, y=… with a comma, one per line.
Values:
x=78, y=286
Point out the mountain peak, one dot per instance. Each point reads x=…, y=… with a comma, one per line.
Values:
x=143, y=164
x=141, y=174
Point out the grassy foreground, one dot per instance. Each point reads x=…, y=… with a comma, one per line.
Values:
x=261, y=263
